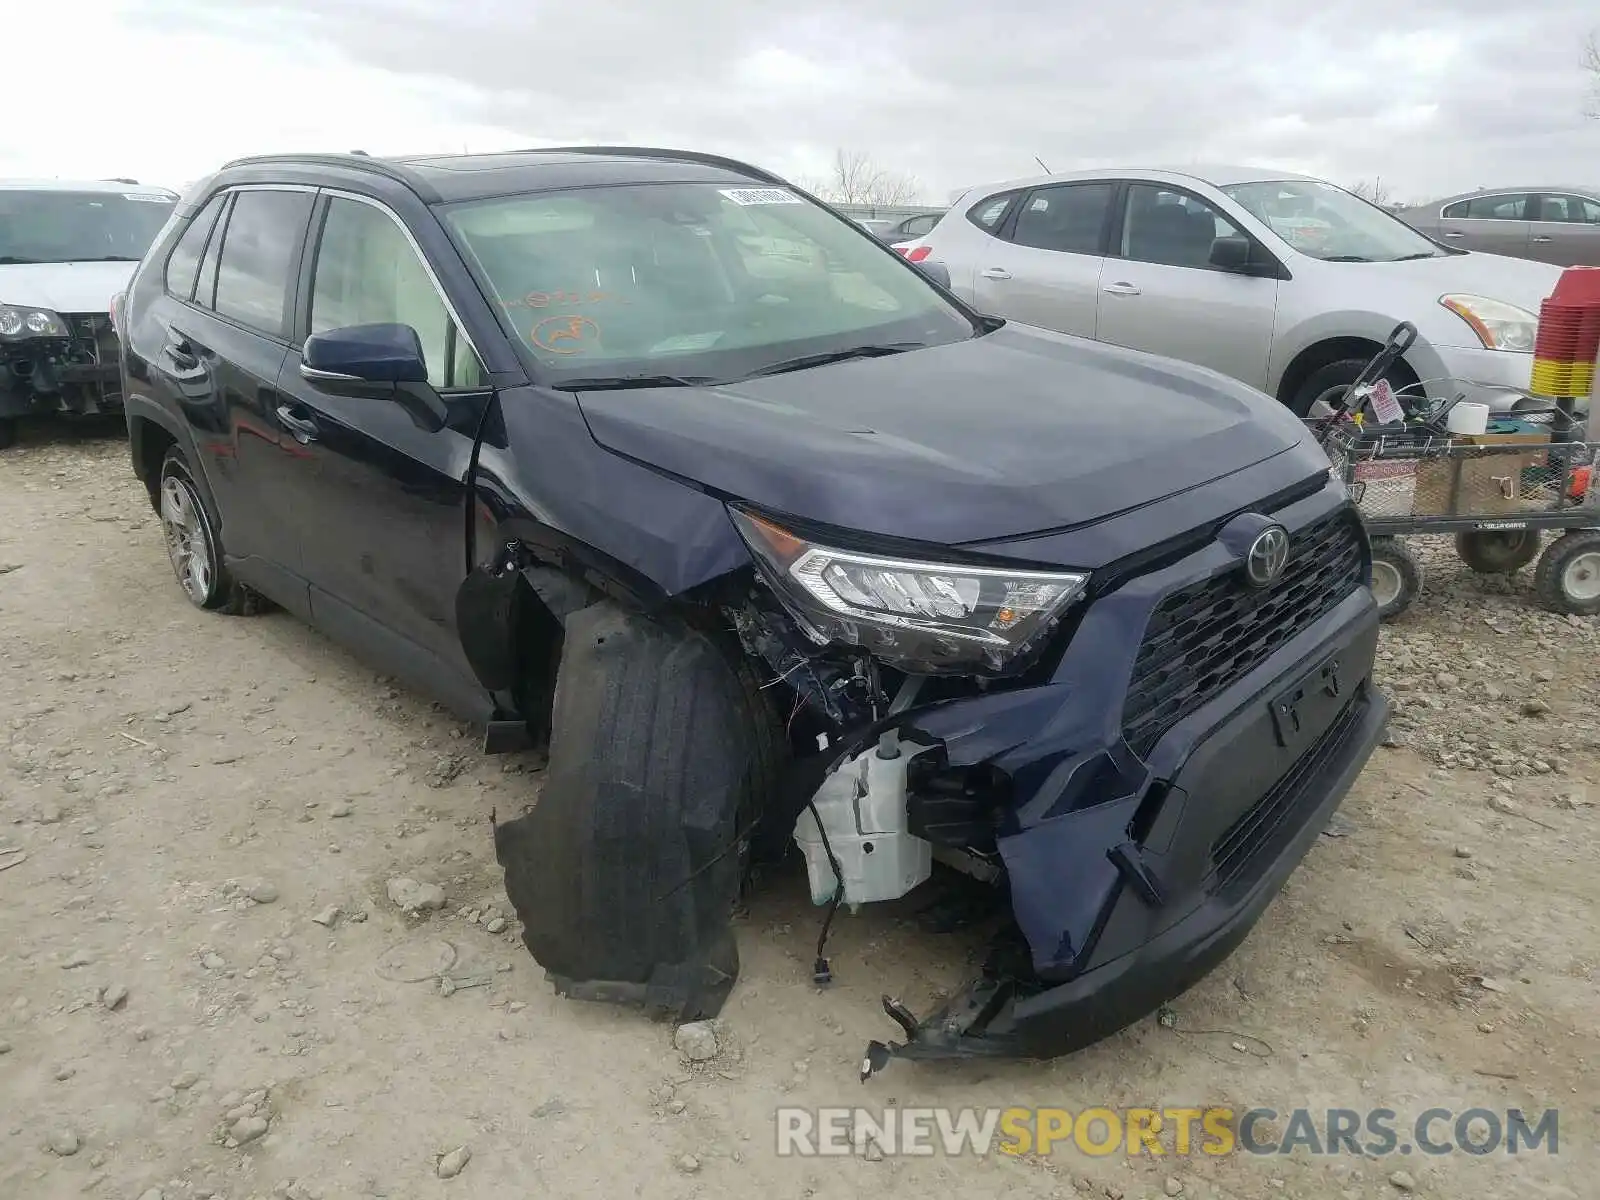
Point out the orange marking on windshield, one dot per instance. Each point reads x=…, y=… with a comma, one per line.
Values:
x=564, y=335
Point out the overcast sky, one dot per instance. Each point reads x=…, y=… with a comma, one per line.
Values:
x=1433, y=96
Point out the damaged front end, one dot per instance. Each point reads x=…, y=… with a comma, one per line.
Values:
x=1130, y=772
x=54, y=362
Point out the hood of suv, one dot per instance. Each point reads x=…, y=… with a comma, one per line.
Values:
x=71, y=287
x=1016, y=432
x=1518, y=281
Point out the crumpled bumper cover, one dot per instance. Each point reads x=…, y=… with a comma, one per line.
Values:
x=1125, y=904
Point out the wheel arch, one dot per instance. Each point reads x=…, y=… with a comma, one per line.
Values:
x=1328, y=350
x=512, y=610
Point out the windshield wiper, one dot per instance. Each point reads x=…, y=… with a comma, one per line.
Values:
x=833, y=356
x=617, y=383
x=109, y=258
x=1414, y=257
x=11, y=260
x=1346, y=258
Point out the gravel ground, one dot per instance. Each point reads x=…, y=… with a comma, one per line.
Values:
x=252, y=942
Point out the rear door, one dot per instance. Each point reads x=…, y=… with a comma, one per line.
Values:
x=1044, y=266
x=1160, y=293
x=1566, y=230
x=1496, y=224
x=225, y=347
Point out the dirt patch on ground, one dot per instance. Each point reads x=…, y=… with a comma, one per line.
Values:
x=206, y=988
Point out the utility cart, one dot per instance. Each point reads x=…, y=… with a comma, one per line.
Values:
x=1498, y=491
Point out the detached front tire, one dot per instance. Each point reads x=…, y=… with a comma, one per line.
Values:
x=1396, y=576
x=193, y=546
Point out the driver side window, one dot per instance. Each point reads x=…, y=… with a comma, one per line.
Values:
x=368, y=274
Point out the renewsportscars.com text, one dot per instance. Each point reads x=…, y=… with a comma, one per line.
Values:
x=1178, y=1132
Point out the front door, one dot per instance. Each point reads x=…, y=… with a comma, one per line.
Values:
x=1160, y=293
x=1567, y=231
x=383, y=501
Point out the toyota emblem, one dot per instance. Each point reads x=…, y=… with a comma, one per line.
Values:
x=1268, y=554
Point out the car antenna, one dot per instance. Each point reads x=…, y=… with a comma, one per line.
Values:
x=1040, y=161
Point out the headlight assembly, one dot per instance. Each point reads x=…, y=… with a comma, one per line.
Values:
x=21, y=321
x=1499, y=326
x=919, y=616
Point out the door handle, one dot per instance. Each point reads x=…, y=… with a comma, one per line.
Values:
x=1455, y=235
x=1539, y=237
x=1121, y=289
x=303, y=430
x=995, y=273
x=182, y=353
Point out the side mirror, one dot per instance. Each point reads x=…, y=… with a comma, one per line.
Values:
x=1238, y=254
x=936, y=271
x=376, y=361
x=365, y=354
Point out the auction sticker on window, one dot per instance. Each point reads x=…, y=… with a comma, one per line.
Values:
x=747, y=196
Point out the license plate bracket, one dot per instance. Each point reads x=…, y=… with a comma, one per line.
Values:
x=1301, y=712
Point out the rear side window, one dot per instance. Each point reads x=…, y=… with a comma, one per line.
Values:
x=986, y=214
x=1067, y=217
x=1490, y=208
x=258, y=257
x=183, y=264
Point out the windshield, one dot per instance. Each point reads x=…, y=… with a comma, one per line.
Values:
x=1329, y=223
x=692, y=281
x=50, y=226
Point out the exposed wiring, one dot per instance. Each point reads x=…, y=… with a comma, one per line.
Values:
x=820, y=974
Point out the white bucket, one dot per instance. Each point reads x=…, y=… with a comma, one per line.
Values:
x=1468, y=418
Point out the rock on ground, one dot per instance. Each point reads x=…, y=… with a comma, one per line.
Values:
x=696, y=1041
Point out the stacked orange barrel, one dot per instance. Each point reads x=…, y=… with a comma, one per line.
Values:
x=1568, y=342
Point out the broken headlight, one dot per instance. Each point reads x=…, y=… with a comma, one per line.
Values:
x=20, y=321
x=923, y=617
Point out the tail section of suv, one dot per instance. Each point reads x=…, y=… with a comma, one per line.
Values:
x=646, y=458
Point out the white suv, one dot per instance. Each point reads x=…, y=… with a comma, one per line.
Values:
x=65, y=250
x=1285, y=282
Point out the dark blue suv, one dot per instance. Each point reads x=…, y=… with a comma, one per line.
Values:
x=649, y=460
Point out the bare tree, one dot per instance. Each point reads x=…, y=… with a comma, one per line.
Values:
x=857, y=179
x=1375, y=192
x=1591, y=64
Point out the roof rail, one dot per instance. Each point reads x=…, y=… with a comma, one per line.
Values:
x=695, y=156
x=358, y=162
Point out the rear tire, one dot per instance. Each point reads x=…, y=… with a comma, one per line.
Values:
x=1327, y=384
x=1497, y=552
x=1568, y=577
x=1396, y=576
x=193, y=545
x=8, y=432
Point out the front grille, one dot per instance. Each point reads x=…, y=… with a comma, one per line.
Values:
x=1204, y=637
x=1271, y=818
x=94, y=341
